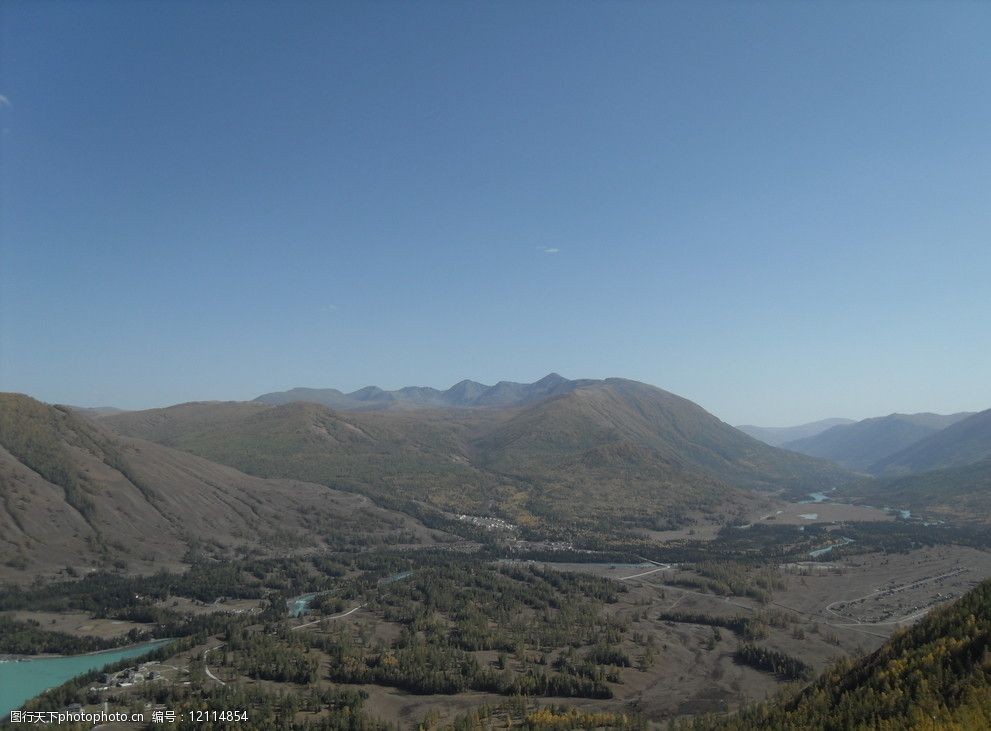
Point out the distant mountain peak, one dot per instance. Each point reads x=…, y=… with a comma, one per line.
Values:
x=865, y=444
x=776, y=436
x=578, y=450
x=369, y=392
x=464, y=394
x=965, y=440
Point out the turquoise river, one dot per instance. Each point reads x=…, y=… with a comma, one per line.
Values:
x=21, y=680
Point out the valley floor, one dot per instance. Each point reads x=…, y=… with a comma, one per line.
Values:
x=821, y=613
x=647, y=639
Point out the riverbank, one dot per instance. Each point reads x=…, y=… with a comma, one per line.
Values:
x=26, y=677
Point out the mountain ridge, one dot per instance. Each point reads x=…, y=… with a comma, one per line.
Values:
x=72, y=493
x=464, y=394
x=586, y=452
x=964, y=442
x=776, y=436
x=960, y=493
x=860, y=445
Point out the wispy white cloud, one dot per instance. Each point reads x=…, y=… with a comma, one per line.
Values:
x=549, y=249
x=4, y=101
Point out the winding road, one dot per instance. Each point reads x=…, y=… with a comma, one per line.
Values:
x=299, y=626
x=333, y=616
x=207, y=667
x=891, y=590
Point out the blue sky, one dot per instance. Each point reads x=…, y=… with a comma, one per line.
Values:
x=779, y=210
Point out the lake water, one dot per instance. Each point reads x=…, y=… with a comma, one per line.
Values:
x=300, y=605
x=24, y=679
x=397, y=577
x=827, y=549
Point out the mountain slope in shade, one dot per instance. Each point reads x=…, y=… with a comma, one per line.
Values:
x=74, y=494
x=463, y=395
x=615, y=451
x=961, y=493
x=964, y=442
x=395, y=456
x=617, y=416
x=97, y=411
x=776, y=436
x=935, y=675
x=859, y=446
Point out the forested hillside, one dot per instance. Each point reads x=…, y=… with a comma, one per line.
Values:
x=936, y=675
x=614, y=453
x=965, y=442
x=861, y=445
x=596, y=424
x=958, y=493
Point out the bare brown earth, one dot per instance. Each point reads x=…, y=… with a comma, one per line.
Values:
x=78, y=624
x=898, y=589
x=770, y=510
x=826, y=512
x=75, y=497
x=187, y=606
x=169, y=502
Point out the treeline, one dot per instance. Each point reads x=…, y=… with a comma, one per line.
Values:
x=772, y=661
x=309, y=709
x=759, y=546
x=900, y=536
x=101, y=592
x=749, y=628
x=734, y=578
x=457, y=606
x=505, y=608
x=529, y=715
x=262, y=656
x=75, y=690
x=550, y=555
x=29, y=638
x=937, y=674
x=598, y=664
x=561, y=719
x=142, y=599
x=429, y=667
x=33, y=432
x=603, y=654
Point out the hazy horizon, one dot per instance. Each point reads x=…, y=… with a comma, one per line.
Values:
x=778, y=211
x=250, y=397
